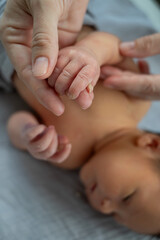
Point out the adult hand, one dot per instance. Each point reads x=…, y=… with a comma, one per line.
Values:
x=142, y=85
x=31, y=31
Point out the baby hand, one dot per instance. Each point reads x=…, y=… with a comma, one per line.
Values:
x=43, y=143
x=76, y=73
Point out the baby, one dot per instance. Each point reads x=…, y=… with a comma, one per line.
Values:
x=120, y=165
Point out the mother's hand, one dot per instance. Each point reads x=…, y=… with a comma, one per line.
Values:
x=142, y=85
x=31, y=31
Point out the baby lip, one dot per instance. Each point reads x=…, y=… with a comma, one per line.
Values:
x=90, y=189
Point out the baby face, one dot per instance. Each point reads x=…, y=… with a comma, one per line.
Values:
x=120, y=179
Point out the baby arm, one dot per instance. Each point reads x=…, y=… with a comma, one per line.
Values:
x=27, y=133
x=78, y=67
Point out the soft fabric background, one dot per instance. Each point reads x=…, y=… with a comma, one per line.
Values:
x=41, y=202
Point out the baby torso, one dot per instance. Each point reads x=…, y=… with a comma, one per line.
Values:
x=84, y=128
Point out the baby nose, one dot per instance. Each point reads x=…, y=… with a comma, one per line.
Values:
x=108, y=206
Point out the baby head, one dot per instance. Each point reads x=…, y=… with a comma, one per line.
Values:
x=123, y=179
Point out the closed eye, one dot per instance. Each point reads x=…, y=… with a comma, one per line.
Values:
x=93, y=187
x=128, y=197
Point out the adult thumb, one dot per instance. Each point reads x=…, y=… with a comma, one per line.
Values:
x=44, y=38
x=142, y=47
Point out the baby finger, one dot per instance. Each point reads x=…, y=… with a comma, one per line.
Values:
x=85, y=99
x=61, y=155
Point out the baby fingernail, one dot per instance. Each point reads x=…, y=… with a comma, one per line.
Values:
x=89, y=88
x=71, y=96
x=40, y=67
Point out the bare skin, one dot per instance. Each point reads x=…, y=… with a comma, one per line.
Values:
x=32, y=32
x=116, y=159
x=144, y=86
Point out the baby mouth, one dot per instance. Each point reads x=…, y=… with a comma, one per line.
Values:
x=90, y=189
x=93, y=187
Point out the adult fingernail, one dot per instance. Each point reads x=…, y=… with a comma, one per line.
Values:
x=40, y=67
x=127, y=45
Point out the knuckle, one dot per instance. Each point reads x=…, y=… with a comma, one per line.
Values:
x=28, y=136
x=56, y=70
x=39, y=4
x=84, y=76
x=146, y=44
x=49, y=153
x=45, y=155
x=39, y=147
x=95, y=69
x=148, y=87
x=6, y=34
x=62, y=60
x=41, y=39
x=5, y=29
x=152, y=89
x=70, y=52
x=66, y=74
x=9, y=35
x=92, y=70
x=83, y=57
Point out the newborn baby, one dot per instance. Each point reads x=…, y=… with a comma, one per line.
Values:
x=120, y=165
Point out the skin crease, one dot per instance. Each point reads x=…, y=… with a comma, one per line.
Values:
x=118, y=161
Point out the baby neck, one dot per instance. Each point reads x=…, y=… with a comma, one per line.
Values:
x=112, y=135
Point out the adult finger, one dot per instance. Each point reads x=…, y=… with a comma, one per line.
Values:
x=85, y=99
x=142, y=67
x=45, y=36
x=144, y=86
x=142, y=47
x=17, y=38
x=43, y=92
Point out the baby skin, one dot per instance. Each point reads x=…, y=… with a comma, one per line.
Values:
x=120, y=165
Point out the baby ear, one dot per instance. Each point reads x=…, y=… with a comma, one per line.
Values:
x=149, y=141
